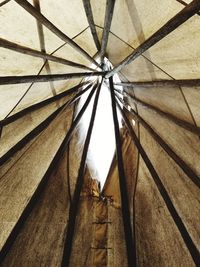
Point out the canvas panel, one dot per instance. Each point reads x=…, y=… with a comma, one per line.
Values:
x=180, y=63
x=182, y=191
x=157, y=237
x=111, y=187
x=61, y=14
x=21, y=181
x=41, y=91
x=140, y=69
x=17, y=130
x=134, y=20
x=8, y=164
x=9, y=96
x=40, y=241
x=184, y=143
x=98, y=10
x=192, y=96
x=117, y=254
x=167, y=99
x=82, y=248
x=14, y=63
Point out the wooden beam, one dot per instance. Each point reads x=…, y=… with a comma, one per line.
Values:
x=4, y=2
x=38, y=129
x=31, y=52
x=42, y=19
x=130, y=246
x=90, y=18
x=185, y=4
x=107, y=23
x=47, y=78
x=164, y=194
x=181, y=163
x=162, y=83
x=41, y=104
x=59, y=154
x=36, y=4
x=170, y=26
x=184, y=124
x=79, y=183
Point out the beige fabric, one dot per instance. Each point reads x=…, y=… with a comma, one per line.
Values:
x=25, y=124
x=157, y=237
x=20, y=182
x=41, y=240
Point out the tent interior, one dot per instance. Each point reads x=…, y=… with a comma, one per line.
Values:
x=135, y=62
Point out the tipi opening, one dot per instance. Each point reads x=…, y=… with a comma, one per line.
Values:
x=102, y=144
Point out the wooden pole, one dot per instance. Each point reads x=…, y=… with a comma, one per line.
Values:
x=42, y=19
x=107, y=23
x=185, y=4
x=90, y=18
x=41, y=104
x=4, y=2
x=46, y=78
x=162, y=83
x=184, y=124
x=181, y=163
x=79, y=183
x=170, y=26
x=164, y=194
x=38, y=129
x=31, y=52
x=130, y=246
x=59, y=154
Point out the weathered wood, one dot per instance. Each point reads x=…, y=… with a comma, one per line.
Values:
x=90, y=18
x=16, y=230
x=31, y=52
x=170, y=26
x=47, y=78
x=184, y=124
x=79, y=183
x=36, y=14
x=181, y=163
x=36, y=4
x=163, y=192
x=41, y=104
x=185, y=4
x=4, y=2
x=107, y=23
x=38, y=129
x=130, y=246
x=162, y=83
